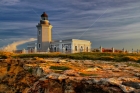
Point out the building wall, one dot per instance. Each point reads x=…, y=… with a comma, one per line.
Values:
x=61, y=46
x=68, y=46
x=32, y=48
x=44, y=36
x=81, y=43
x=46, y=33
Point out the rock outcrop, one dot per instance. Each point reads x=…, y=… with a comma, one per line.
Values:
x=34, y=76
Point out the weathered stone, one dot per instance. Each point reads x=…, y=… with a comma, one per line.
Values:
x=114, y=81
x=93, y=69
x=126, y=89
x=116, y=70
x=53, y=76
x=39, y=72
x=47, y=70
x=71, y=73
x=135, y=85
x=109, y=79
x=87, y=62
x=62, y=77
x=42, y=79
x=137, y=91
x=137, y=74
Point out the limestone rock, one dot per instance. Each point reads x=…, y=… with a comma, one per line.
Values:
x=137, y=91
x=42, y=79
x=62, y=77
x=71, y=73
x=114, y=81
x=126, y=89
x=53, y=76
x=93, y=69
x=39, y=72
x=135, y=85
x=47, y=70
x=116, y=70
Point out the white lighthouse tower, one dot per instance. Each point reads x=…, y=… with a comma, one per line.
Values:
x=44, y=33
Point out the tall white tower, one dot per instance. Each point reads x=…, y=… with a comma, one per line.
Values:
x=44, y=33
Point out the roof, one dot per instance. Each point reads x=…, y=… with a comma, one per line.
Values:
x=68, y=40
x=44, y=15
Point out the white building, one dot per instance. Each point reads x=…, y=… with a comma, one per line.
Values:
x=70, y=46
x=46, y=44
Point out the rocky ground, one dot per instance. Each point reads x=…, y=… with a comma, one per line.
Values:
x=55, y=75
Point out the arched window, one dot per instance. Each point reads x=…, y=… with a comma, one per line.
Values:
x=75, y=48
x=87, y=49
x=39, y=45
x=81, y=49
x=66, y=48
x=39, y=32
x=54, y=49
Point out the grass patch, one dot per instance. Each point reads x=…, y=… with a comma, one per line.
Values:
x=30, y=70
x=118, y=57
x=133, y=64
x=58, y=71
x=8, y=67
x=59, y=68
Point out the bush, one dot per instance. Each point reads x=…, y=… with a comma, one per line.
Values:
x=8, y=67
x=107, y=58
x=59, y=68
x=129, y=58
x=30, y=70
x=138, y=60
x=133, y=64
x=4, y=55
x=85, y=56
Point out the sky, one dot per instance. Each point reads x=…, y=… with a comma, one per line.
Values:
x=106, y=23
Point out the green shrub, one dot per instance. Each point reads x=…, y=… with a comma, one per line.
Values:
x=129, y=58
x=3, y=57
x=87, y=56
x=8, y=67
x=133, y=64
x=59, y=68
x=107, y=58
x=30, y=70
x=138, y=60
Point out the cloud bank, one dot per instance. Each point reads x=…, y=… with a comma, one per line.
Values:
x=119, y=25
x=13, y=46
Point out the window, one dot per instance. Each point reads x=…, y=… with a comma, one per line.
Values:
x=62, y=45
x=39, y=45
x=39, y=32
x=66, y=48
x=87, y=49
x=75, y=48
x=54, y=49
x=81, y=48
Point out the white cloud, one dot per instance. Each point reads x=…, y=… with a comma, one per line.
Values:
x=13, y=46
x=71, y=18
x=17, y=25
x=9, y=2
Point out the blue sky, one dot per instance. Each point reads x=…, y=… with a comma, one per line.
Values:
x=110, y=23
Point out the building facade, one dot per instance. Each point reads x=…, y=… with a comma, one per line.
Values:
x=70, y=46
x=46, y=44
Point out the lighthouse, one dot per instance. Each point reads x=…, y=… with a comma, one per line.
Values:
x=44, y=33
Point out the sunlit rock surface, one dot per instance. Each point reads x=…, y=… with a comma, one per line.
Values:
x=74, y=76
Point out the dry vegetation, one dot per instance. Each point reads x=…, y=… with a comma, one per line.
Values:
x=80, y=56
x=18, y=69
